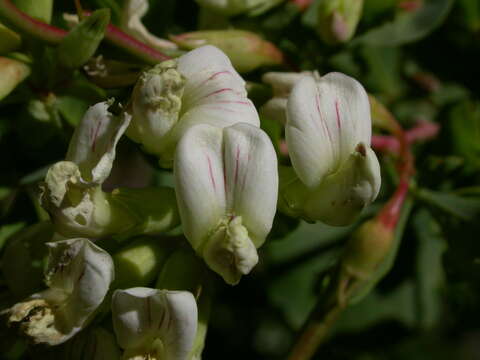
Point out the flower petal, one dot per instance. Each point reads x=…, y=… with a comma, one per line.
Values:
x=199, y=182
x=214, y=92
x=79, y=275
x=93, y=143
x=326, y=119
x=142, y=315
x=251, y=178
x=344, y=194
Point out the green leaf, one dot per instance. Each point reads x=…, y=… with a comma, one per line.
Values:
x=383, y=70
x=409, y=27
x=464, y=123
x=8, y=230
x=461, y=207
x=470, y=13
x=72, y=109
x=396, y=305
x=295, y=292
x=429, y=269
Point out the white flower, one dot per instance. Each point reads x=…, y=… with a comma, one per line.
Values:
x=78, y=276
x=227, y=184
x=199, y=87
x=131, y=23
x=72, y=191
x=93, y=144
x=328, y=134
x=154, y=324
x=282, y=84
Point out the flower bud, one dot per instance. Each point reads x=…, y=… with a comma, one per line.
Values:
x=366, y=251
x=154, y=324
x=12, y=73
x=282, y=84
x=78, y=275
x=83, y=40
x=92, y=344
x=226, y=182
x=367, y=248
x=235, y=7
x=131, y=22
x=246, y=50
x=9, y=40
x=199, y=87
x=338, y=19
x=328, y=135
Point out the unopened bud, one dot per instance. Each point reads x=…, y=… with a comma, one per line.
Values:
x=338, y=19
x=246, y=50
x=83, y=40
x=12, y=73
x=366, y=249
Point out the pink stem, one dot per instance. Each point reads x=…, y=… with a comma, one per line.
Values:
x=302, y=4
x=54, y=35
x=410, y=5
x=423, y=131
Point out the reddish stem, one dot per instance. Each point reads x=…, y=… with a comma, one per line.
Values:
x=54, y=35
x=423, y=131
x=302, y=4
x=29, y=25
x=410, y=5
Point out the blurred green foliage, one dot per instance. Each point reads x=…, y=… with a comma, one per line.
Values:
x=422, y=62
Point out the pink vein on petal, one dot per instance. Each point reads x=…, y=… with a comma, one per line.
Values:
x=213, y=76
x=210, y=172
x=339, y=123
x=324, y=124
x=96, y=134
x=218, y=92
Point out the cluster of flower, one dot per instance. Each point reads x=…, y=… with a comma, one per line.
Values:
x=194, y=115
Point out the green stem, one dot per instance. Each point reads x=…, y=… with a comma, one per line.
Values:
x=54, y=35
x=29, y=25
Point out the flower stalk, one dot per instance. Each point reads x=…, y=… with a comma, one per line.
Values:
x=54, y=35
x=369, y=248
